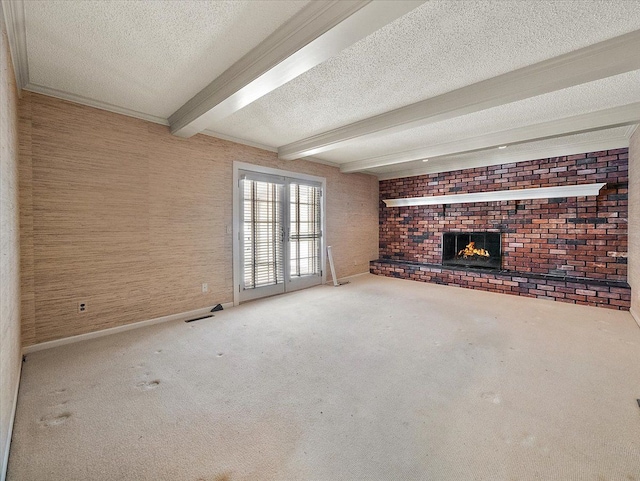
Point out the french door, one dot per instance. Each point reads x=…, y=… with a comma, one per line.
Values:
x=280, y=234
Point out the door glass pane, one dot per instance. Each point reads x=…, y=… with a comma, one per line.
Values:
x=304, y=234
x=263, y=262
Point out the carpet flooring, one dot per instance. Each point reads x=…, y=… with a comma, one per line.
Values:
x=379, y=379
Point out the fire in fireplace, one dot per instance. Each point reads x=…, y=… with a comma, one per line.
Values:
x=472, y=249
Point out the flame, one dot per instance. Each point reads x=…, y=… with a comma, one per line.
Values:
x=471, y=251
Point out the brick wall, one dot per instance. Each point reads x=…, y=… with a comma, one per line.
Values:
x=576, y=237
x=565, y=249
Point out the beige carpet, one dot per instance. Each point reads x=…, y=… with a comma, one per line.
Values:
x=380, y=379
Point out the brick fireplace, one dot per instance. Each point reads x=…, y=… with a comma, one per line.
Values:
x=472, y=249
x=566, y=249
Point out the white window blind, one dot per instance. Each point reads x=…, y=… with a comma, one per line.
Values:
x=304, y=230
x=262, y=233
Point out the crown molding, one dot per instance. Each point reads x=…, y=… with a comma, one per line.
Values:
x=591, y=121
x=320, y=161
x=604, y=59
x=319, y=31
x=498, y=157
x=238, y=140
x=14, y=21
x=257, y=145
x=79, y=99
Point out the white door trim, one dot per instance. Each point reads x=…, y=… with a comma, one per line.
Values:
x=238, y=166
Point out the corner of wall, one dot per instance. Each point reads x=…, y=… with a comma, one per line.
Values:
x=634, y=222
x=10, y=352
x=25, y=179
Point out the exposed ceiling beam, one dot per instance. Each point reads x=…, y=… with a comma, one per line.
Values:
x=12, y=13
x=498, y=157
x=318, y=32
x=611, y=57
x=608, y=118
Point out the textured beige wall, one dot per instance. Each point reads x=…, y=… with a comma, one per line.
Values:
x=634, y=223
x=118, y=212
x=9, y=246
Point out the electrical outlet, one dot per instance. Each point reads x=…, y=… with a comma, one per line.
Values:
x=82, y=307
x=205, y=287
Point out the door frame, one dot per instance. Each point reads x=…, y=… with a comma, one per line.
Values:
x=238, y=166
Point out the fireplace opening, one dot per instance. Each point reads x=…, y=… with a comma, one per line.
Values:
x=472, y=249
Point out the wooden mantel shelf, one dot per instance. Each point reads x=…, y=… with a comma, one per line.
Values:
x=579, y=190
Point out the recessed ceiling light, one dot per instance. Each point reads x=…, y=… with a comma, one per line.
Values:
x=502, y=147
x=425, y=160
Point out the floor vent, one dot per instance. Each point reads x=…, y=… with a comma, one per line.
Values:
x=198, y=318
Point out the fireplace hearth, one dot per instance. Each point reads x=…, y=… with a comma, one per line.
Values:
x=472, y=249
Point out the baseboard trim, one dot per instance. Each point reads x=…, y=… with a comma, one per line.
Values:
x=5, y=455
x=114, y=330
x=635, y=316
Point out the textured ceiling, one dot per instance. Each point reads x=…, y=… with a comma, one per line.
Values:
x=146, y=56
x=439, y=47
x=149, y=57
x=599, y=95
x=566, y=145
